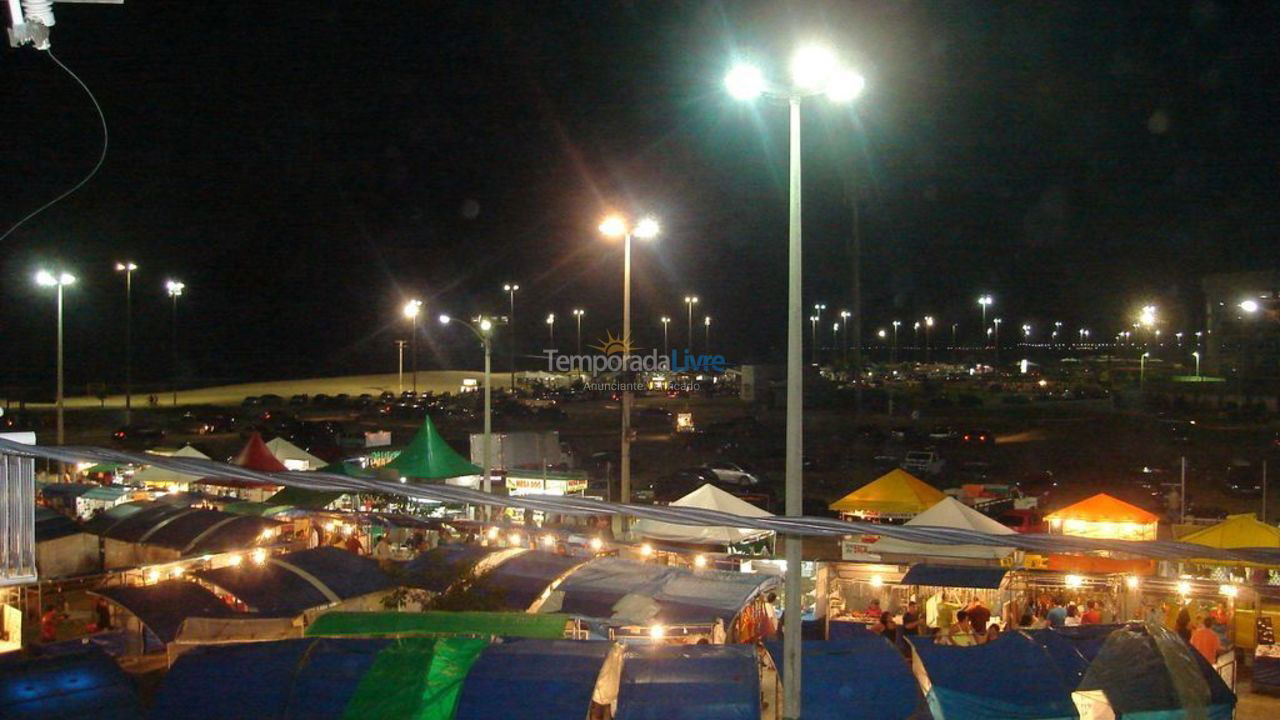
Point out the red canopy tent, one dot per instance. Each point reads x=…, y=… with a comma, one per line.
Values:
x=254, y=456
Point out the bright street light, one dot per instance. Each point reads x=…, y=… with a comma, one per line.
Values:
x=411, y=310
x=690, y=301
x=666, y=321
x=44, y=278
x=128, y=269
x=744, y=82
x=577, y=314
x=845, y=86
x=1148, y=315
x=813, y=67
x=483, y=329
x=1249, y=306
x=174, y=288
x=510, y=289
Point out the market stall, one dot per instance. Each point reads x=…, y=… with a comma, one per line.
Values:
x=253, y=456
x=163, y=533
x=443, y=624
x=863, y=675
x=292, y=456
x=708, y=497
x=153, y=613
x=84, y=684
x=63, y=548
x=163, y=479
x=895, y=497
x=536, y=680
x=429, y=457
x=709, y=682
x=1101, y=517
x=947, y=513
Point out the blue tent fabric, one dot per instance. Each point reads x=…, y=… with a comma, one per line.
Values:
x=51, y=525
x=308, y=679
x=162, y=607
x=177, y=527
x=522, y=579
x=954, y=576
x=863, y=677
x=532, y=680
x=273, y=589
x=83, y=684
x=1013, y=677
x=1149, y=672
x=1087, y=639
x=434, y=569
x=1065, y=653
x=690, y=682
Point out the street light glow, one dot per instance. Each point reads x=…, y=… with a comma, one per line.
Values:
x=125, y=267
x=691, y=299
x=509, y=287
x=845, y=86
x=646, y=229
x=613, y=226
x=1148, y=315
x=1249, y=306
x=812, y=67
x=984, y=300
x=928, y=320
x=706, y=320
x=486, y=325
x=744, y=82
x=444, y=319
x=412, y=308
x=174, y=287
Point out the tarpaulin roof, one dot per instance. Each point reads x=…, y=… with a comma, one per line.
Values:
x=104, y=492
x=257, y=509
x=947, y=513
x=863, y=676
x=290, y=584
x=690, y=682
x=437, y=568
x=190, y=531
x=84, y=684
x=303, y=498
x=532, y=680
x=162, y=607
x=398, y=624
x=954, y=576
x=897, y=492
x=317, y=678
x=429, y=457
x=1237, y=531
x=1150, y=672
x=163, y=476
x=284, y=450
x=707, y=497
x=256, y=456
x=673, y=595
x=66, y=490
x=51, y=525
x=1011, y=677
x=1086, y=639
x=521, y=580
x=1103, y=508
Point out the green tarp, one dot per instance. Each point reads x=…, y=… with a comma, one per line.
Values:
x=303, y=498
x=418, y=678
x=258, y=509
x=397, y=624
x=429, y=457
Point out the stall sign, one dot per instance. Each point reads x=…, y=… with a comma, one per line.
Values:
x=377, y=438
x=859, y=547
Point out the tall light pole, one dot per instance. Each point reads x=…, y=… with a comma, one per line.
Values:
x=551, y=330
x=127, y=268
x=844, y=318
x=928, y=325
x=646, y=229
x=813, y=339
x=400, y=366
x=984, y=301
x=1026, y=335
x=1142, y=370
x=915, y=341
x=666, y=350
x=411, y=311
x=814, y=71
x=577, y=314
x=44, y=278
x=175, y=289
x=954, y=346
x=893, y=351
x=706, y=334
x=1196, y=354
x=482, y=328
x=510, y=289
x=996, y=341
x=817, y=317
x=1057, y=327
x=690, y=301
x=1083, y=334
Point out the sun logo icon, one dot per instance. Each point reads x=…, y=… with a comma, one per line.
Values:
x=615, y=345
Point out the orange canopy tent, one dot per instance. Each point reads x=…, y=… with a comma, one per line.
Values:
x=897, y=494
x=1103, y=516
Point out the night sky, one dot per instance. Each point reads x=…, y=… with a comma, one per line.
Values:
x=306, y=166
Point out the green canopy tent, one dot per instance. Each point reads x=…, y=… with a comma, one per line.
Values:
x=548, y=626
x=318, y=499
x=429, y=457
x=258, y=509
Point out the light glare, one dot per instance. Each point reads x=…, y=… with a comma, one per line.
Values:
x=812, y=67
x=1249, y=306
x=744, y=82
x=613, y=226
x=646, y=229
x=845, y=86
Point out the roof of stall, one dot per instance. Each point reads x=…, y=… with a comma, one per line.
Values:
x=520, y=581
x=1103, y=508
x=84, y=684
x=864, y=670
x=437, y=569
x=188, y=530
x=290, y=584
x=398, y=624
x=284, y=450
x=897, y=492
x=707, y=497
x=709, y=682
x=162, y=476
x=429, y=457
x=162, y=607
x=1237, y=531
x=51, y=525
x=1152, y=673
x=532, y=680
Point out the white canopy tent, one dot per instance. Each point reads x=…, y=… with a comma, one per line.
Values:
x=949, y=513
x=707, y=497
x=292, y=456
x=152, y=475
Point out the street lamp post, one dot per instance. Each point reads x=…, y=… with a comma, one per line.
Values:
x=928, y=325
x=666, y=350
x=955, y=350
x=983, y=302
x=510, y=289
x=706, y=334
x=690, y=301
x=816, y=318
x=127, y=268
x=400, y=366
x=645, y=229
x=411, y=311
x=44, y=278
x=551, y=330
x=482, y=328
x=915, y=341
x=815, y=70
x=813, y=339
x=893, y=350
x=175, y=289
x=1196, y=355
x=844, y=349
x=996, y=340
x=577, y=314
x=1142, y=370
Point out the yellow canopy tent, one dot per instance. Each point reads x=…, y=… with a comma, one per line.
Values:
x=897, y=494
x=1237, y=531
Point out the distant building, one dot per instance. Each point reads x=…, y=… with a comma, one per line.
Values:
x=1242, y=325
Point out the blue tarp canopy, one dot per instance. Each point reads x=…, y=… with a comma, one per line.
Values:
x=1086, y=639
x=690, y=682
x=1065, y=652
x=1013, y=677
x=309, y=679
x=522, y=579
x=437, y=568
x=954, y=576
x=1151, y=673
x=864, y=677
x=51, y=525
x=532, y=680
x=286, y=585
x=84, y=684
x=681, y=596
x=188, y=530
x=162, y=607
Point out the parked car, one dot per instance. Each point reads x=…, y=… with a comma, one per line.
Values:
x=271, y=400
x=138, y=435
x=1242, y=478
x=942, y=433
x=733, y=473
x=251, y=401
x=299, y=399
x=923, y=462
x=978, y=438
x=1024, y=521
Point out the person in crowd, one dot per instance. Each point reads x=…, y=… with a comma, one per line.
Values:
x=49, y=623
x=1057, y=614
x=911, y=619
x=1182, y=625
x=718, y=634
x=959, y=633
x=1092, y=615
x=102, y=613
x=979, y=615
x=353, y=544
x=947, y=608
x=381, y=549
x=315, y=538
x=886, y=627
x=1027, y=621
x=1206, y=641
x=993, y=632
x=873, y=607
x=1221, y=615
x=1073, y=616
